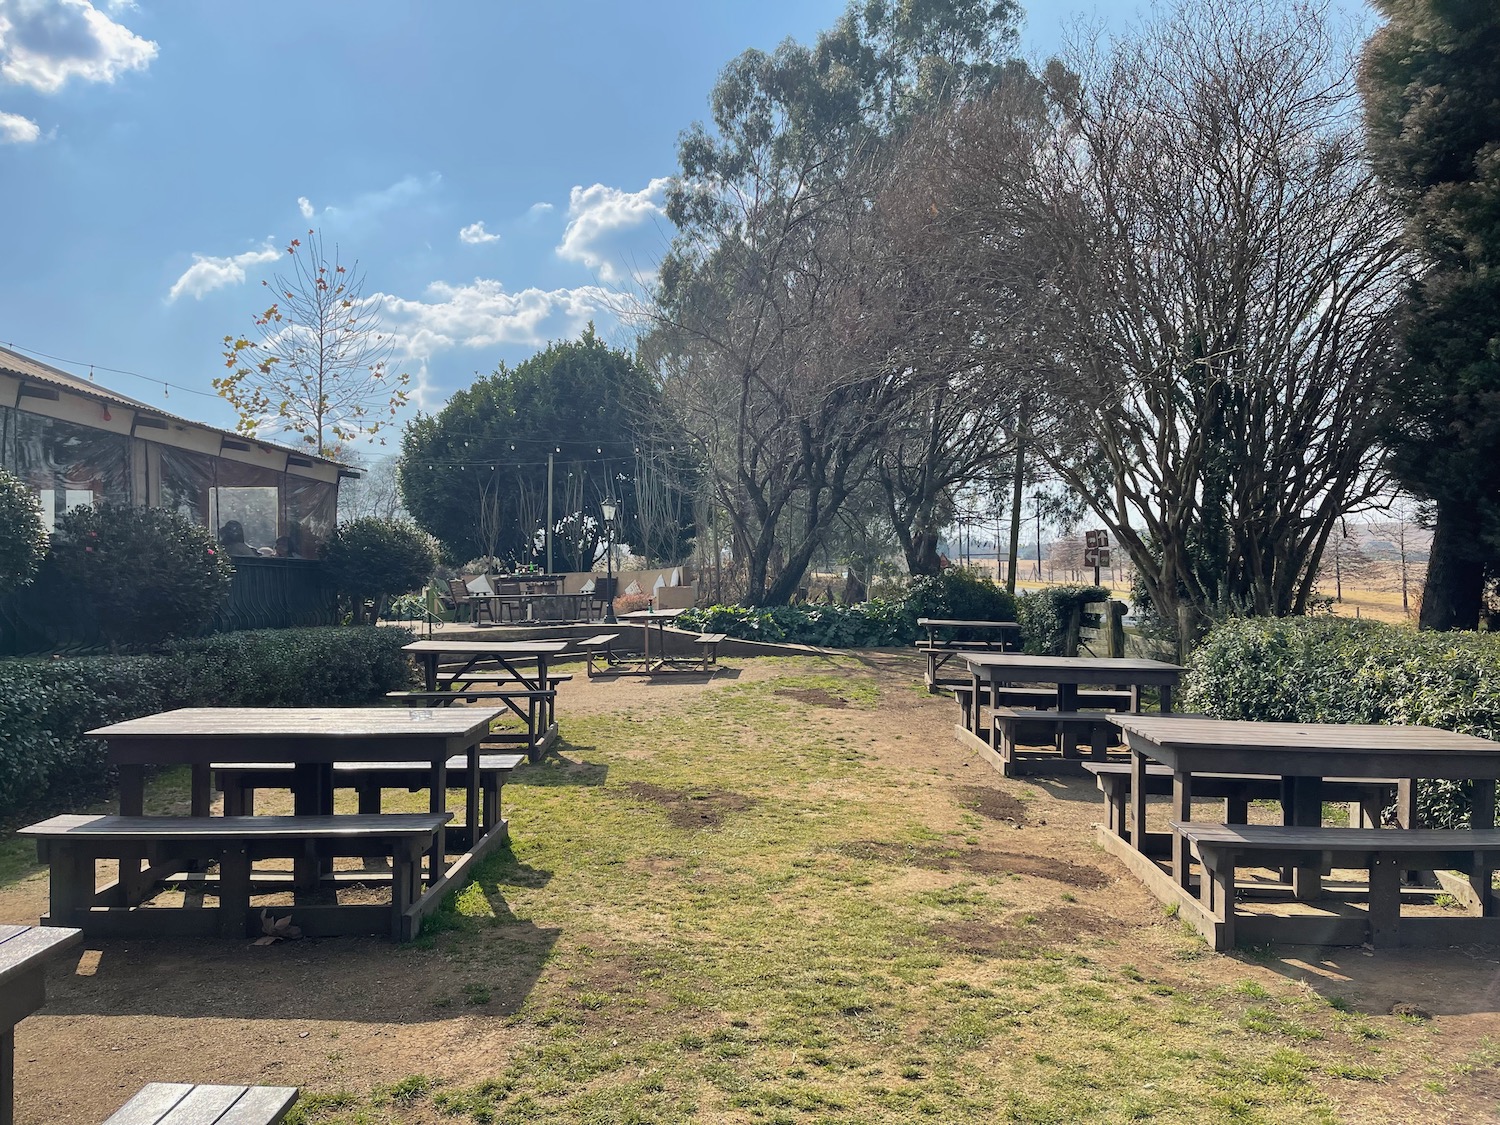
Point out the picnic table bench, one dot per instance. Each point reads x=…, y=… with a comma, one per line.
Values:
x=597, y=654
x=24, y=953
x=71, y=845
x=533, y=707
x=1385, y=854
x=180, y=1103
x=238, y=781
x=1366, y=797
x=523, y=663
x=969, y=635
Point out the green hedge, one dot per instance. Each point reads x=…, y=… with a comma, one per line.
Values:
x=46, y=705
x=871, y=624
x=1044, y=615
x=1326, y=670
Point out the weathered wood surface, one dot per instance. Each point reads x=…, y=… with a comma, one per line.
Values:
x=26, y=949
x=24, y=953
x=1342, y=842
x=194, y=828
x=1023, y=668
x=174, y=1103
x=512, y=649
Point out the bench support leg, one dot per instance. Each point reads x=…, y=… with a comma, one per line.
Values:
x=1385, y=901
x=1138, y=800
x=371, y=797
x=1482, y=816
x=1182, y=810
x=234, y=890
x=7, y=1076
x=71, y=886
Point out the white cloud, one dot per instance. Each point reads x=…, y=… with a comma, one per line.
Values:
x=364, y=208
x=483, y=314
x=598, y=215
x=44, y=43
x=305, y=206
x=474, y=234
x=537, y=210
x=207, y=274
x=17, y=130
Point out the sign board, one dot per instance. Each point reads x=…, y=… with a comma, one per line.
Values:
x=1096, y=556
x=1095, y=539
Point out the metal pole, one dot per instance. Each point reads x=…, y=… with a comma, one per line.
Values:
x=1038, y=536
x=609, y=570
x=549, y=512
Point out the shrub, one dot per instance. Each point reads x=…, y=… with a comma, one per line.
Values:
x=146, y=573
x=959, y=594
x=47, y=705
x=1044, y=616
x=374, y=559
x=23, y=538
x=870, y=624
x=1327, y=670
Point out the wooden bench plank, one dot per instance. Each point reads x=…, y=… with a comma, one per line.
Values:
x=180, y=1103
x=193, y=828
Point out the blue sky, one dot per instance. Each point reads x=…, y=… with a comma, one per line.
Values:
x=495, y=165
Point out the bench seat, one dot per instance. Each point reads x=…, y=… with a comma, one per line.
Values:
x=553, y=678
x=596, y=651
x=1385, y=853
x=179, y=1103
x=72, y=844
x=1366, y=796
x=708, y=645
x=238, y=781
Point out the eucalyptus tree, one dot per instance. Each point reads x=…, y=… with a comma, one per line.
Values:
x=1431, y=83
x=766, y=297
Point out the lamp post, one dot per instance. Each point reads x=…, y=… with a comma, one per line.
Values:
x=607, y=509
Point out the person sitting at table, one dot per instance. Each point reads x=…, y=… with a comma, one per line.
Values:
x=232, y=537
x=284, y=548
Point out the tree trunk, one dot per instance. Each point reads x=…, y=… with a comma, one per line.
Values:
x=1455, y=572
x=922, y=556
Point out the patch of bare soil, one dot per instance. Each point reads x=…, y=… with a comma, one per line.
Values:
x=992, y=803
x=978, y=860
x=816, y=696
x=696, y=808
x=1025, y=934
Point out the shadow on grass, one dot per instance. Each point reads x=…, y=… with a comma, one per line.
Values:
x=1461, y=980
x=558, y=769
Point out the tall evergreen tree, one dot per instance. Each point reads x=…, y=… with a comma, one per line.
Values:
x=1431, y=84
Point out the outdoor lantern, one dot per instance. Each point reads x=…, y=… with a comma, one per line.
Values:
x=607, y=509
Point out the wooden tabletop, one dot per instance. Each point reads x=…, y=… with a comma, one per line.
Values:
x=24, y=949
x=1227, y=734
x=198, y=735
x=1310, y=749
x=956, y=623
x=652, y=615
x=485, y=648
x=1072, y=669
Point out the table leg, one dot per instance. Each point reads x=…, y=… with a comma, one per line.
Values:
x=471, y=798
x=437, y=861
x=549, y=716
x=1306, y=798
x=430, y=670
x=1165, y=695
x=132, y=790
x=202, y=795
x=1067, y=697
x=974, y=707
x=7, y=1076
x=1482, y=818
x=1182, y=809
x=1138, y=801
x=312, y=795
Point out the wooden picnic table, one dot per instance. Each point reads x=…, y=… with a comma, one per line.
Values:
x=1068, y=673
x=523, y=662
x=1303, y=755
x=24, y=953
x=649, y=665
x=312, y=739
x=991, y=636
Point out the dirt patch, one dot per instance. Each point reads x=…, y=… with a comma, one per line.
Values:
x=695, y=808
x=992, y=803
x=978, y=860
x=1023, y=934
x=814, y=695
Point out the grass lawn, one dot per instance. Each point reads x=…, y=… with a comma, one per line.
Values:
x=786, y=896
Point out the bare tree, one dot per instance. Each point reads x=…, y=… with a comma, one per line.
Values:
x=321, y=367
x=1223, y=275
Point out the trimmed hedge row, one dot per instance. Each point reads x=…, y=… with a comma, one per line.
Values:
x=1327, y=670
x=46, y=705
x=878, y=623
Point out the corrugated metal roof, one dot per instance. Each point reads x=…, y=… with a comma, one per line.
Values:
x=35, y=371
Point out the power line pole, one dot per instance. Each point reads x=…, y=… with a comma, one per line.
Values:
x=550, y=454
